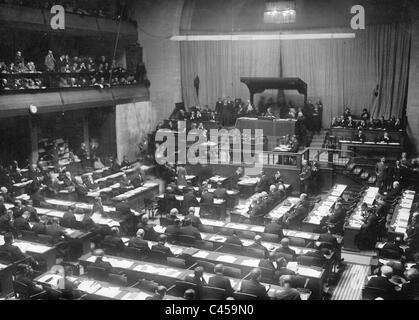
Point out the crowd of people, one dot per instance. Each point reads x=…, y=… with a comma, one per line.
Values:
x=109, y=9
x=83, y=71
x=366, y=121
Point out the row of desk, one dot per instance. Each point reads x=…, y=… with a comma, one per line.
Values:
x=401, y=215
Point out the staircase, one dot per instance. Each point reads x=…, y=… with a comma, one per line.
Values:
x=318, y=140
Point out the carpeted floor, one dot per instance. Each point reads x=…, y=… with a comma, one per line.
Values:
x=351, y=282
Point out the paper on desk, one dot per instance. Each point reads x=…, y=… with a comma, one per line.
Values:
x=236, y=226
x=89, y=286
x=159, y=229
x=110, y=292
x=218, y=238
x=169, y=272
x=380, y=245
x=123, y=264
x=225, y=258
x=135, y=296
x=309, y=272
x=250, y=263
x=292, y=265
x=201, y=254
x=257, y=229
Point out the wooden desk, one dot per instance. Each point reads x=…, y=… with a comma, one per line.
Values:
x=280, y=210
x=370, y=134
x=375, y=150
x=135, y=198
x=247, y=186
x=271, y=127
x=354, y=223
x=20, y=188
x=401, y=215
x=36, y=250
x=322, y=209
x=100, y=289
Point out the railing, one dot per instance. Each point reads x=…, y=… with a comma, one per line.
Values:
x=332, y=157
x=22, y=82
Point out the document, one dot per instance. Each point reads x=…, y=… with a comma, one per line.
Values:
x=89, y=286
x=110, y=292
x=228, y=259
x=135, y=296
x=201, y=254
x=250, y=262
x=123, y=264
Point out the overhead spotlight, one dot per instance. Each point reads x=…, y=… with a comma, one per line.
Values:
x=33, y=109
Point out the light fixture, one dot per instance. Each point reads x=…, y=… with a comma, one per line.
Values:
x=271, y=36
x=280, y=12
x=33, y=109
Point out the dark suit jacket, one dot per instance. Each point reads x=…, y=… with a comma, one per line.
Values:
x=198, y=281
x=164, y=249
x=149, y=233
x=220, y=193
x=255, y=288
x=263, y=184
x=104, y=265
x=207, y=198
x=287, y=251
x=39, y=228
x=222, y=282
x=234, y=240
x=267, y=264
x=382, y=283
x=190, y=231
x=56, y=232
x=189, y=200
x=154, y=297
x=138, y=244
x=274, y=228
x=361, y=137
x=69, y=220
x=33, y=214
x=172, y=230
x=338, y=216
x=15, y=252
x=260, y=247
x=21, y=224
x=114, y=241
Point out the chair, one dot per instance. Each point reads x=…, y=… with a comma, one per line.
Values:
x=212, y=293
x=29, y=235
x=97, y=273
x=244, y=296
x=172, y=238
x=21, y=290
x=232, y=272
x=297, y=242
x=45, y=239
x=176, y=263
x=206, y=229
x=226, y=231
x=110, y=248
x=186, y=240
x=246, y=234
x=146, y=285
x=231, y=248
x=133, y=253
x=208, y=266
x=205, y=245
x=157, y=256
x=117, y=279
x=310, y=261
x=371, y=293
x=182, y=286
x=254, y=253
x=267, y=274
x=270, y=237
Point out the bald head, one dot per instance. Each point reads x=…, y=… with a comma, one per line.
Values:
x=219, y=268
x=99, y=253
x=258, y=239
x=140, y=233
x=386, y=271
x=285, y=242
x=174, y=212
x=255, y=274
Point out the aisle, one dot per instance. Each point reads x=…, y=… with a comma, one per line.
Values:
x=351, y=282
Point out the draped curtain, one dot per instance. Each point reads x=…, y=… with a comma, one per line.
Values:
x=341, y=72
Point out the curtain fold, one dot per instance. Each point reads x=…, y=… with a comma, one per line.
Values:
x=341, y=72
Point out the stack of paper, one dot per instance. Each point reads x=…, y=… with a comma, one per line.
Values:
x=135, y=296
x=227, y=259
x=110, y=292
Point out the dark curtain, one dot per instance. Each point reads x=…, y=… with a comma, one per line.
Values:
x=341, y=72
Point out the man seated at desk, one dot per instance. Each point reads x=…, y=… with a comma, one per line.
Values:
x=3, y=208
x=173, y=215
x=365, y=115
x=158, y=294
x=234, y=239
x=220, y=281
x=98, y=207
x=263, y=183
x=125, y=183
x=386, y=138
x=350, y=123
x=197, y=278
x=235, y=178
x=270, y=263
x=337, y=219
x=40, y=227
x=196, y=221
x=392, y=250
x=395, y=192
x=220, y=192
x=189, y=200
x=149, y=232
x=69, y=219
x=25, y=275
x=275, y=195
x=274, y=227
x=288, y=292
x=207, y=197
x=360, y=136
x=253, y=286
x=161, y=246
x=21, y=222
x=138, y=241
x=33, y=214
x=90, y=184
x=173, y=230
x=189, y=230
x=99, y=263
x=284, y=248
x=293, y=219
x=12, y=251
x=113, y=240
x=54, y=230
x=257, y=244
x=383, y=282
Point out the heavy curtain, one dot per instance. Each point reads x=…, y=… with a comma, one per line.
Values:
x=341, y=72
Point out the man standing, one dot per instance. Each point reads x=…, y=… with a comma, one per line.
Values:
x=50, y=62
x=381, y=171
x=305, y=176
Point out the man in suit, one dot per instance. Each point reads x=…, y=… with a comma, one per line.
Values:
x=381, y=172
x=263, y=183
x=337, y=219
x=99, y=263
x=54, y=230
x=220, y=281
x=69, y=219
x=383, y=282
x=234, y=239
x=284, y=248
x=394, y=192
x=288, y=292
x=3, y=209
x=275, y=196
x=189, y=199
x=220, y=192
x=253, y=286
x=207, y=197
x=149, y=232
x=20, y=223
x=270, y=262
x=360, y=136
x=293, y=220
x=173, y=230
x=257, y=244
x=410, y=289
x=392, y=250
x=15, y=253
x=190, y=230
x=39, y=227
x=18, y=209
x=305, y=176
x=198, y=279
x=173, y=215
x=158, y=294
x=24, y=275
x=138, y=242
x=98, y=207
x=114, y=240
x=196, y=221
x=274, y=227
x=33, y=214
x=161, y=246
